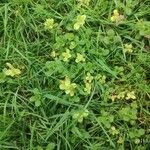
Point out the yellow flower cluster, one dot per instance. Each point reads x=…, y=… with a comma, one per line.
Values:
x=80, y=21
x=84, y=2
x=116, y=17
x=49, y=24
x=120, y=140
x=128, y=48
x=101, y=78
x=89, y=78
x=113, y=130
x=79, y=58
x=67, y=86
x=124, y=95
x=54, y=54
x=79, y=115
x=88, y=84
x=12, y=71
x=130, y=95
x=88, y=87
x=66, y=55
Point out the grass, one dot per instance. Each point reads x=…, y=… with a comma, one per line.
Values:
x=52, y=99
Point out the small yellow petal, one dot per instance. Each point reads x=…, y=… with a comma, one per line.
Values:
x=53, y=54
x=116, y=12
x=113, y=18
x=67, y=86
x=11, y=71
x=49, y=23
x=66, y=55
x=113, y=97
x=79, y=21
x=88, y=88
x=120, y=140
x=9, y=65
x=8, y=72
x=76, y=26
x=89, y=77
x=79, y=58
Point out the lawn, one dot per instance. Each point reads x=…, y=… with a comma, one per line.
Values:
x=74, y=74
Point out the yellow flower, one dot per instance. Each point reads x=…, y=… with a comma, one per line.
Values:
x=67, y=86
x=113, y=131
x=128, y=48
x=101, y=78
x=79, y=115
x=12, y=71
x=88, y=87
x=66, y=55
x=65, y=83
x=89, y=78
x=113, y=97
x=116, y=17
x=49, y=24
x=130, y=95
x=120, y=140
x=80, y=21
x=121, y=95
x=71, y=89
x=79, y=58
x=54, y=54
x=87, y=81
x=137, y=141
x=84, y=2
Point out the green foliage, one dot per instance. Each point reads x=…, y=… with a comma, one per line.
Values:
x=136, y=133
x=36, y=98
x=129, y=113
x=143, y=28
x=106, y=119
x=50, y=146
x=74, y=74
x=2, y=77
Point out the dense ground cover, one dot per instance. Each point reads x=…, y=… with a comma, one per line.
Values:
x=74, y=74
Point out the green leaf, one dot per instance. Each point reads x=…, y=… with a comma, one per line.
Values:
x=36, y=91
x=107, y=124
x=69, y=36
x=72, y=45
x=105, y=52
x=32, y=98
x=39, y=148
x=141, y=132
x=106, y=40
x=74, y=99
x=111, y=118
x=2, y=77
x=132, y=134
x=50, y=146
x=128, y=10
x=76, y=132
x=37, y=103
x=110, y=32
